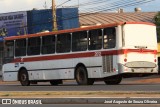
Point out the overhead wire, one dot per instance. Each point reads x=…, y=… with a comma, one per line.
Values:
x=123, y=3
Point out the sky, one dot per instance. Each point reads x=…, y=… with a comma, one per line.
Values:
x=24, y=5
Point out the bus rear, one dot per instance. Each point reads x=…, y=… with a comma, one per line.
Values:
x=139, y=52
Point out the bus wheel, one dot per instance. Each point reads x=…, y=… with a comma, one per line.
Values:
x=24, y=78
x=56, y=82
x=114, y=80
x=82, y=77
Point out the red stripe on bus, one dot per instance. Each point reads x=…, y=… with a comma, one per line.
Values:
x=82, y=55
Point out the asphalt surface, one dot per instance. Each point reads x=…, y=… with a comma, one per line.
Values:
x=121, y=87
x=125, y=85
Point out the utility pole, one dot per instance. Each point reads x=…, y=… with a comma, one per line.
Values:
x=45, y=5
x=54, y=16
x=78, y=3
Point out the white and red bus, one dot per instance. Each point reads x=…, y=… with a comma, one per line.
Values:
x=104, y=53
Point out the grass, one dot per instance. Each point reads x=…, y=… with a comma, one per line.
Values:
x=6, y=95
x=43, y=94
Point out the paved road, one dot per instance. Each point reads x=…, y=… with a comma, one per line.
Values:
x=72, y=86
x=122, y=87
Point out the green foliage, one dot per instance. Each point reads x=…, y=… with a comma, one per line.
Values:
x=6, y=95
x=157, y=22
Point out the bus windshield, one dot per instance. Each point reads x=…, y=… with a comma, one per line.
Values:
x=139, y=35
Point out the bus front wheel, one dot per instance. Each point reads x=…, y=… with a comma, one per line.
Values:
x=24, y=78
x=82, y=76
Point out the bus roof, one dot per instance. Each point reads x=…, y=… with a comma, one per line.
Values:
x=74, y=30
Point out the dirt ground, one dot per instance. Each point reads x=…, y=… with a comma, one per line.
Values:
x=149, y=80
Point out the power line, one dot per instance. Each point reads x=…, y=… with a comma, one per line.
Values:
x=90, y=3
x=113, y=8
x=122, y=3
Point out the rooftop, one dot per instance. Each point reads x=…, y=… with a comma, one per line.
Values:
x=89, y=19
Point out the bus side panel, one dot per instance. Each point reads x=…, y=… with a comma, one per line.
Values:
x=51, y=74
x=64, y=69
x=92, y=64
x=9, y=72
x=48, y=70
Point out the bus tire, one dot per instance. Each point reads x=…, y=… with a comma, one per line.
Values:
x=114, y=80
x=81, y=76
x=56, y=82
x=24, y=78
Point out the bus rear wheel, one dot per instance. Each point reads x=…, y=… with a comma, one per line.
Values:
x=113, y=80
x=56, y=82
x=24, y=78
x=82, y=76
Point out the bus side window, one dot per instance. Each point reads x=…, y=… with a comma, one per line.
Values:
x=33, y=46
x=79, y=41
x=95, y=39
x=8, y=51
x=109, y=38
x=63, y=43
x=20, y=47
x=48, y=44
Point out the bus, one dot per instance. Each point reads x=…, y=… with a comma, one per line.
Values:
x=106, y=53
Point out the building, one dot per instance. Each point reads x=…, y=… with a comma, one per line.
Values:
x=41, y=20
x=34, y=21
x=89, y=19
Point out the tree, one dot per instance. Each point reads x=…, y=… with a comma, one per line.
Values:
x=157, y=22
